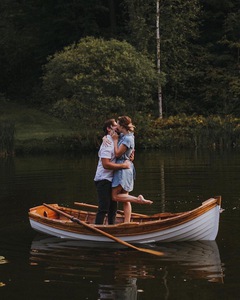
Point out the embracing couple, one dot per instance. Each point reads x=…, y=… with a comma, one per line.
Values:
x=115, y=173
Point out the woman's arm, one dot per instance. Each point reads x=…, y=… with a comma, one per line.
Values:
x=119, y=151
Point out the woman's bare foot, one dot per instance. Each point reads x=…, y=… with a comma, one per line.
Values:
x=141, y=200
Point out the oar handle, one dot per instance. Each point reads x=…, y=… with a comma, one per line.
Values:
x=118, y=211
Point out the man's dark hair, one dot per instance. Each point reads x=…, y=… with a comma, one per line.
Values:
x=107, y=124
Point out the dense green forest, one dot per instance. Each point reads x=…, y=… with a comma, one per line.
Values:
x=83, y=61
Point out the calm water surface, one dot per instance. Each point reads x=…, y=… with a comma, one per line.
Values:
x=34, y=266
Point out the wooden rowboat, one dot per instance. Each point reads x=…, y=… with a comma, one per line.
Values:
x=199, y=224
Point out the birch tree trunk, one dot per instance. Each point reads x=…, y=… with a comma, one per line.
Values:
x=159, y=57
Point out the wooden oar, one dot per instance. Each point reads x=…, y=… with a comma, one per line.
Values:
x=118, y=211
x=72, y=218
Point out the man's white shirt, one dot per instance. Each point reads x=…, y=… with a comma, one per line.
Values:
x=105, y=151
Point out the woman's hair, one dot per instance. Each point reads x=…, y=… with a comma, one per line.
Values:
x=108, y=124
x=126, y=122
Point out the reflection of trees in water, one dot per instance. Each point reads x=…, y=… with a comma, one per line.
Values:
x=150, y=170
x=121, y=289
x=165, y=283
x=162, y=186
x=7, y=175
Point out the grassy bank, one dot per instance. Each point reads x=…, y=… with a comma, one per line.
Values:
x=38, y=132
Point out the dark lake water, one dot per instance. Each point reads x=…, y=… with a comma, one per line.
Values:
x=40, y=267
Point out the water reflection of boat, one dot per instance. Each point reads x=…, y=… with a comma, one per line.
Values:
x=201, y=259
x=117, y=269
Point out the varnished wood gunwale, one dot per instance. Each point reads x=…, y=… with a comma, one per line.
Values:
x=139, y=225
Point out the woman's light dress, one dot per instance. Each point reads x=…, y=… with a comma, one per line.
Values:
x=125, y=177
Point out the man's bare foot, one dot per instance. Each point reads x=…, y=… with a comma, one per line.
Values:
x=141, y=200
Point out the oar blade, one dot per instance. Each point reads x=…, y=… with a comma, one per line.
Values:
x=153, y=252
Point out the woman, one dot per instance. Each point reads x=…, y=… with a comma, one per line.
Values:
x=123, y=179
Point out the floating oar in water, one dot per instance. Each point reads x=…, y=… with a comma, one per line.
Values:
x=72, y=218
x=118, y=211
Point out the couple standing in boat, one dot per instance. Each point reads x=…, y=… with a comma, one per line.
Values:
x=115, y=172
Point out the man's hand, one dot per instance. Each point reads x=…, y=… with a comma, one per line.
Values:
x=108, y=164
x=126, y=164
x=132, y=156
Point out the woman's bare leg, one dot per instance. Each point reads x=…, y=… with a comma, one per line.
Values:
x=127, y=207
x=118, y=194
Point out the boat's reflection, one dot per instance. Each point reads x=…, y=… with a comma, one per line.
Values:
x=201, y=259
x=117, y=269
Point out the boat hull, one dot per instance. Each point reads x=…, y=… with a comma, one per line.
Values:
x=200, y=224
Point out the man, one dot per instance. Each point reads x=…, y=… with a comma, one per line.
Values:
x=104, y=175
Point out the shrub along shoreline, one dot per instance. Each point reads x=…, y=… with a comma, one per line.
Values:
x=34, y=132
x=191, y=132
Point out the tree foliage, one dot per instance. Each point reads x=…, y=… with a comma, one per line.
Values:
x=219, y=85
x=31, y=30
x=96, y=78
x=199, y=48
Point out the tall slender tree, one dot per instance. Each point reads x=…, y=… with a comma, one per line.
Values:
x=160, y=100
x=178, y=24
